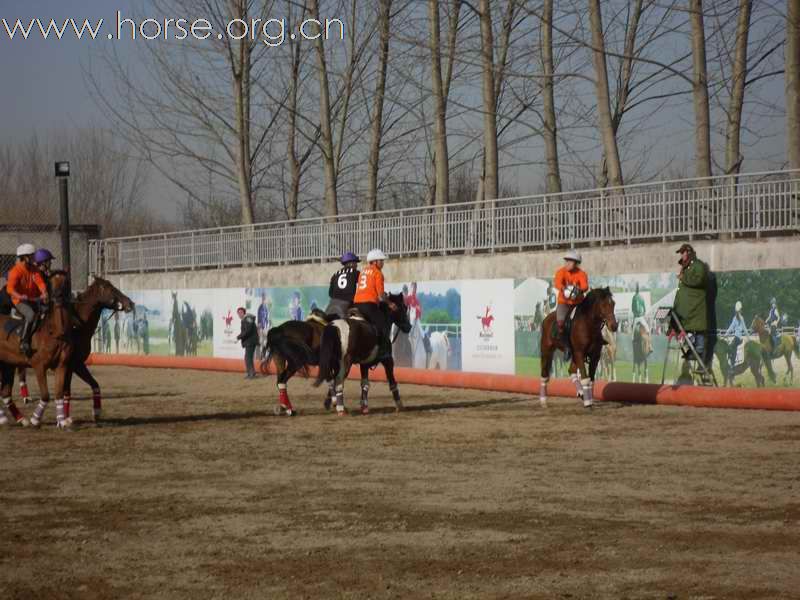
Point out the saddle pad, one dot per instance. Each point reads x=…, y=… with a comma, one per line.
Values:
x=12, y=325
x=739, y=356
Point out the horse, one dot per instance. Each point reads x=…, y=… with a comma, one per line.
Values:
x=642, y=348
x=586, y=342
x=177, y=332
x=752, y=360
x=52, y=347
x=87, y=310
x=786, y=345
x=416, y=340
x=608, y=358
x=293, y=346
x=440, y=351
x=350, y=341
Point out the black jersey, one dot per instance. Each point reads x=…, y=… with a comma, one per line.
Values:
x=343, y=284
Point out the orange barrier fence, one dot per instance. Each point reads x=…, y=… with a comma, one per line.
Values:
x=637, y=393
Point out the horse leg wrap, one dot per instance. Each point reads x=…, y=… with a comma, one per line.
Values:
x=283, y=398
x=60, y=420
x=364, y=392
x=12, y=408
x=396, y=396
x=97, y=403
x=543, y=391
x=340, y=399
x=67, y=404
x=3, y=417
x=38, y=412
x=24, y=392
x=587, y=392
x=576, y=381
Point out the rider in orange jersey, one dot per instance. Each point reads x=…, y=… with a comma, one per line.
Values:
x=572, y=284
x=369, y=293
x=26, y=286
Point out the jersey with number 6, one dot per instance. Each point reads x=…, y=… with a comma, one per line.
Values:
x=343, y=284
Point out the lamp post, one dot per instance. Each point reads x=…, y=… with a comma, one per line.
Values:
x=62, y=175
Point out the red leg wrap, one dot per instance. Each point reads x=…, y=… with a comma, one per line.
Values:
x=283, y=398
x=12, y=408
x=23, y=390
x=97, y=402
x=67, y=399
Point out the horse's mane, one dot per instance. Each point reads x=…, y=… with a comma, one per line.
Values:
x=594, y=296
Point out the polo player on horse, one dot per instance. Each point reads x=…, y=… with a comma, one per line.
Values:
x=343, y=286
x=369, y=294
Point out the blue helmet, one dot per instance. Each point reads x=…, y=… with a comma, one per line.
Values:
x=348, y=257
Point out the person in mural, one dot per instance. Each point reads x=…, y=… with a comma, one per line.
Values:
x=249, y=339
x=572, y=283
x=343, y=285
x=411, y=300
x=116, y=332
x=538, y=317
x=638, y=310
x=691, y=299
x=27, y=288
x=551, y=301
x=295, y=309
x=106, y=336
x=774, y=322
x=369, y=294
x=262, y=320
x=737, y=330
x=144, y=332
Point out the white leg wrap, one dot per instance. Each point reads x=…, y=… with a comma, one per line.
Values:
x=543, y=391
x=3, y=417
x=59, y=411
x=587, y=392
x=281, y=386
x=38, y=413
x=576, y=381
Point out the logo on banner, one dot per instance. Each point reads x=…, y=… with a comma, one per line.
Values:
x=228, y=322
x=486, y=324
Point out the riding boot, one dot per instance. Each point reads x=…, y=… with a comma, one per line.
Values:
x=24, y=338
x=563, y=337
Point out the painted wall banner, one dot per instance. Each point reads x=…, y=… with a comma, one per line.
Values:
x=226, y=322
x=487, y=325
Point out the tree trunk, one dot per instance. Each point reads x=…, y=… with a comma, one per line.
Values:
x=294, y=163
x=605, y=123
x=377, y=110
x=549, y=116
x=702, y=119
x=326, y=129
x=733, y=158
x=792, y=82
x=241, y=92
x=490, y=160
x=440, y=108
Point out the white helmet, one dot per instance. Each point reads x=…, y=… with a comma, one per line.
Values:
x=376, y=254
x=26, y=250
x=738, y=306
x=573, y=255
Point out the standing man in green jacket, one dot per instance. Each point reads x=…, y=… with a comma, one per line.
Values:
x=691, y=301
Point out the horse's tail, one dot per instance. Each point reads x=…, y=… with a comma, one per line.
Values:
x=330, y=355
x=796, y=346
x=295, y=352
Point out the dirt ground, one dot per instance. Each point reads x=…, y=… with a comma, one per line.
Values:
x=193, y=489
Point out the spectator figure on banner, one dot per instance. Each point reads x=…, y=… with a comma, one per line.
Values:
x=774, y=322
x=249, y=339
x=116, y=332
x=412, y=302
x=295, y=310
x=106, y=335
x=638, y=310
x=538, y=317
x=144, y=332
x=737, y=330
x=262, y=319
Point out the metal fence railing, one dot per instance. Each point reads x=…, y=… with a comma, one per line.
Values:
x=755, y=204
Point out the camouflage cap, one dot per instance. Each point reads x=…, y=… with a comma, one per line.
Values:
x=685, y=248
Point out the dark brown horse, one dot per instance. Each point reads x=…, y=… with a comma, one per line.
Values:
x=350, y=341
x=293, y=346
x=52, y=347
x=586, y=342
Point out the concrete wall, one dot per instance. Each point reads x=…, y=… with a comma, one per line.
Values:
x=772, y=253
x=49, y=236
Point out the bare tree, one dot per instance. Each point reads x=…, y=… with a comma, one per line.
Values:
x=792, y=82
x=702, y=116
x=549, y=121
x=384, y=20
x=733, y=158
x=605, y=123
x=490, y=156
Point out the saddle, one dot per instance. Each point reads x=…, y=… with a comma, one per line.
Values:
x=14, y=324
x=319, y=317
x=567, y=324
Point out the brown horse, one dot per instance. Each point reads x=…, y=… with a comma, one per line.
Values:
x=293, y=346
x=350, y=341
x=586, y=342
x=786, y=345
x=88, y=308
x=52, y=347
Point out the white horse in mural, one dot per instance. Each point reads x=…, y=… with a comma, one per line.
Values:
x=440, y=350
x=436, y=355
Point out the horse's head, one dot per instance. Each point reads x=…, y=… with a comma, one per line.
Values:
x=601, y=302
x=59, y=284
x=106, y=295
x=398, y=313
x=757, y=325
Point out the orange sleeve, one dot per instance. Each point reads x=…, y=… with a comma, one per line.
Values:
x=13, y=279
x=558, y=280
x=584, y=281
x=39, y=281
x=379, y=283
